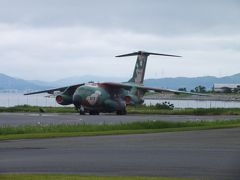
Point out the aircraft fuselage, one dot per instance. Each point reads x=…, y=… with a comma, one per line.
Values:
x=95, y=98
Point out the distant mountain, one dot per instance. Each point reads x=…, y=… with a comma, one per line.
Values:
x=191, y=83
x=77, y=80
x=10, y=83
x=43, y=83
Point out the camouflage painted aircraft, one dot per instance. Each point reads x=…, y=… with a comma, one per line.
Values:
x=94, y=98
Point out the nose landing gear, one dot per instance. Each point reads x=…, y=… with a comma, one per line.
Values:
x=81, y=110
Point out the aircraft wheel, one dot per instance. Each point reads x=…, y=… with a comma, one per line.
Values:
x=121, y=112
x=82, y=112
x=94, y=113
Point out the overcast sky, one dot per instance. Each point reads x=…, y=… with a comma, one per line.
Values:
x=54, y=39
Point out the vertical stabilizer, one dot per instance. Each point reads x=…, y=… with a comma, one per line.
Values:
x=139, y=70
x=140, y=66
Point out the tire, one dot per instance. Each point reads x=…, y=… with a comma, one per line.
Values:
x=121, y=112
x=82, y=112
x=93, y=113
x=124, y=112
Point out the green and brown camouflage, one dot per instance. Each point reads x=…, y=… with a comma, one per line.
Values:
x=109, y=96
x=139, y=70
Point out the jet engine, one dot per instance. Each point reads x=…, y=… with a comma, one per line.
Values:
x=131, y=99
x=64, y=99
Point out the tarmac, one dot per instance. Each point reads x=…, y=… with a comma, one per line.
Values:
x=205, y=154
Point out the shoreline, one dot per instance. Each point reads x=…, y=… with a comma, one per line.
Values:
x=211, y=97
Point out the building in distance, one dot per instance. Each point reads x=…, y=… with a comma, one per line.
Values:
x=227, y=88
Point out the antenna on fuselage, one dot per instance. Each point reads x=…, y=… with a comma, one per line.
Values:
x=140, y=66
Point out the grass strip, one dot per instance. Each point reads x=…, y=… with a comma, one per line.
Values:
x=139, y=109
x=65, y=130
x=28, y=108
x=79, y=177
x=184, y=111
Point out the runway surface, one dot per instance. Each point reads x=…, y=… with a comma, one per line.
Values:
x=15, y=119
x=200, y=154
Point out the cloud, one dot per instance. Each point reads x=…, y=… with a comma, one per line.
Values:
x=170, y=17
x=50, y=53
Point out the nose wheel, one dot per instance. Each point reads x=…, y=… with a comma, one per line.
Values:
x=81, y=110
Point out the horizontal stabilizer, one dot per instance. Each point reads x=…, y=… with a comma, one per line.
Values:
x=144, y=53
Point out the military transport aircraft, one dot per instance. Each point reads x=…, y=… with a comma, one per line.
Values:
x=109, y=96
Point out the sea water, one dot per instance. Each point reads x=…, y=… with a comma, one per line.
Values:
x=13, y=99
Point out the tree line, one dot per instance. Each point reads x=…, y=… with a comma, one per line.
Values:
x=202, y=89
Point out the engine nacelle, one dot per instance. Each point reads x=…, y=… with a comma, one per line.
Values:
x=131, y=99
x=64, y=99
x=128, y=99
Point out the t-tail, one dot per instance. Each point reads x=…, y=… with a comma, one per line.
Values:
x=140, y=66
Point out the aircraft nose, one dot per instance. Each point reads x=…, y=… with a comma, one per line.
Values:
x=77, y=99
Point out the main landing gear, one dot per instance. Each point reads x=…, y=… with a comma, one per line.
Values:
x=121, y=112
x=93, y=112
x=83, y=112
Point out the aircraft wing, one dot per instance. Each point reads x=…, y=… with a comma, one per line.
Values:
x=159, y=90
x=61, y=89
